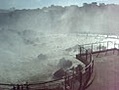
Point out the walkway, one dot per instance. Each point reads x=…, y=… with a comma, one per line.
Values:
x=107, y=72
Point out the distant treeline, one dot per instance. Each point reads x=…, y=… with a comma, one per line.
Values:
x=93, y=17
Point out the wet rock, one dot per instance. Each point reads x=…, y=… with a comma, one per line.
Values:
x=42, y=57
x=63, y=63
x=59, y=74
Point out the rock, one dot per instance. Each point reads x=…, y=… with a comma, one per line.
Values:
x=59, y=74
x=42, y=57
x=63, y=63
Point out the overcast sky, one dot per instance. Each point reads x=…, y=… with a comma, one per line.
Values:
x=20, y=4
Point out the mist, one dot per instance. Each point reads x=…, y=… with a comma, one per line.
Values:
x=91, y=18
x=33, y=41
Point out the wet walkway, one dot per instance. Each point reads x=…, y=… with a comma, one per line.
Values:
x=107, y=73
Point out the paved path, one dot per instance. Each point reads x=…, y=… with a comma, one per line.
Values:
x=107, y=73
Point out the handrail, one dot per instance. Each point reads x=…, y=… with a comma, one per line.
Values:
x=96, y=43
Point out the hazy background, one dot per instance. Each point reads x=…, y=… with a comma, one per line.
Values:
x=93, y=18
x=35, y=35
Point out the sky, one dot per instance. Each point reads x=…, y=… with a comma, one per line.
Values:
x=32, y=4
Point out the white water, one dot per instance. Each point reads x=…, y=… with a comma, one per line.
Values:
x=19, y=52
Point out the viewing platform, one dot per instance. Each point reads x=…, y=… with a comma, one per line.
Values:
x=107, y=72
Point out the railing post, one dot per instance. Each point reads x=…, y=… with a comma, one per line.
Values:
x=92, y=66
x=91, y=48
x=118, y=49
x=114, y=44
x=65, y=81
x=73, y=79
x=27, y=86
x=22, y=88
x=107, y=44
x=100, y=46
x=107, y=47
x=18, y=87
x=114, y=48
x=81, y=78
x=80, y=51
x=86, y=55
x=90, y=57
x=14, y=87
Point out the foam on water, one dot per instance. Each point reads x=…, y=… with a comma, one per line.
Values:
x=19, y=61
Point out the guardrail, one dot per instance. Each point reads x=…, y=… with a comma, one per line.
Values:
x=77, y=78
x=85, y=55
